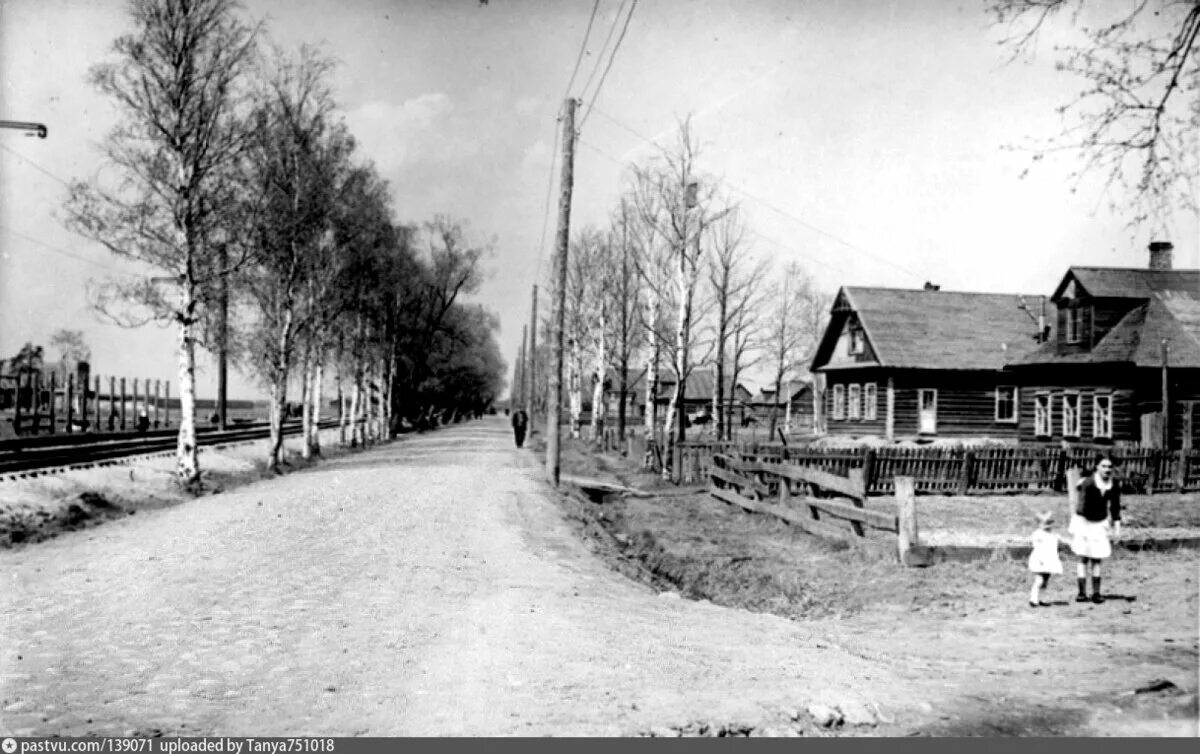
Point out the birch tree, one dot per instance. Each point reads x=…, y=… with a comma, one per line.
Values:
x=793, y=329
x=299, y=158
x=733, y=275
x=177, y=82
x=627, y=295
x=667, y=190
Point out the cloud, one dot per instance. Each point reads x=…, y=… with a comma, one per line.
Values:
x=419, y=129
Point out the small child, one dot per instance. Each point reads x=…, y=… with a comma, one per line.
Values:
x=1043, y=561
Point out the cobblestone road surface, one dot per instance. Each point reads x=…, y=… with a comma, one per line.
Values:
x=426, y=587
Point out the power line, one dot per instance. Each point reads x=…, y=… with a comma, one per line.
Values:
x=546, y=213
x=582, y=49
x=64, y=252
x=782, y=212
x=38, y=167
x=603, y=48
x=596, y=94
x=768, y=239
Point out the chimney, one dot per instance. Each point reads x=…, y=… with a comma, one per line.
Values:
x=1160, y=255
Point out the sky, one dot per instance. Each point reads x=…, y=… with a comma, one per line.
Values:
x=871, y=141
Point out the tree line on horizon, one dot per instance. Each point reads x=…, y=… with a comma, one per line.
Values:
x=276, y=239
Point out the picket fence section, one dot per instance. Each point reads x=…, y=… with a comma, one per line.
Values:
x=951, y=471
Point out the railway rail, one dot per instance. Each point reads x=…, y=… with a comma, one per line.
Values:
x=48, y=454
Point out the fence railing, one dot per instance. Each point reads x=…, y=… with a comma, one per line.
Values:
x=801, y=495
x=953, y=471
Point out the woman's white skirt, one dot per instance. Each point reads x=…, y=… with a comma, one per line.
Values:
x=1090, y=538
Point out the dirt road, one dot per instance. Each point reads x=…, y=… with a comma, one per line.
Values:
x=428, y=587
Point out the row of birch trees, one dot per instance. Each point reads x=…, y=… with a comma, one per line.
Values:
x=236, y=181
x=672, y=284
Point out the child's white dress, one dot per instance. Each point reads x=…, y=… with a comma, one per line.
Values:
x=1044, y=558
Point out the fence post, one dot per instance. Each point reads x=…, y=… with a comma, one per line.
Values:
x=17, y=407
x=167, y=403
x=112, y=403
x=1181, y=470
x=1073, y=476
x=96, y=423
x=868, y=470
x=907, y=535
x=1155, y=473
x=157, y=400
x=677, y=463
x=859, y=479
x=53, y=400
x=71, y=399
x=122, y=403
x=968, y=468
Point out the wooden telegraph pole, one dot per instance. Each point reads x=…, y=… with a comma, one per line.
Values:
x=222, y=344
x=560, y=294
x=532, y=371
x=517, y=397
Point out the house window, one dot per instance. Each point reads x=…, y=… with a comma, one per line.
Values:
x=1006, y=404
x=1070, y=409
x=1102, y=416
x=1074, y=322
x=856, y=339
x=839, y=401
x=869, y=401
x=855, y=402
x=927, y=411
x=1041, y=414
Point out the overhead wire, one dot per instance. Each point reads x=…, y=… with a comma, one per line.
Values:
x=582, y=48
x=36, y=166
x=64, y=252
x=782, y=212
x=612, y=28
x=596, y=94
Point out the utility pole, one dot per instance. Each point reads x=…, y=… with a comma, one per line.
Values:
x=520, y=369
x=532, y=356
x=222, y=345
x=1165, y=350
x=560, y=294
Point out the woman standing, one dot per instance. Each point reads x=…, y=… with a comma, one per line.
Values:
x=1097, y=510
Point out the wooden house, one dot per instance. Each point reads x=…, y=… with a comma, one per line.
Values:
x=923, y=363
x=698, y=396
x=1123, y=338
x=635, y=395
x=795, y=406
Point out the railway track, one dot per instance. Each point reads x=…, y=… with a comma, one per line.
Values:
x=50, y=454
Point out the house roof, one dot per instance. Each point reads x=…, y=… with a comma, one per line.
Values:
x=792, y=389
x=701, y=383
x=1130, y=282
x=934, y=329
x=1171, y=312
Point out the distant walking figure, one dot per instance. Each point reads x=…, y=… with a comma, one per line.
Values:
x=1098, y=509
x=520, y=422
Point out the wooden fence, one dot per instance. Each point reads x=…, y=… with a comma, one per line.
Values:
x=955, y=471
x=34, y=403
x=800, y=495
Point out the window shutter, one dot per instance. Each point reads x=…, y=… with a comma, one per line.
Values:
x=1062, y=326
x=1085, y=325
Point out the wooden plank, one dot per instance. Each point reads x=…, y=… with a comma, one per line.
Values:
x=822, y=479
x=731, y=497
x=876, y=519
x=815, y=527
x=729, y=477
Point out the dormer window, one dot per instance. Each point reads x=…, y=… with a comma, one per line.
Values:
x=1074, y=323
x=856, y=339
